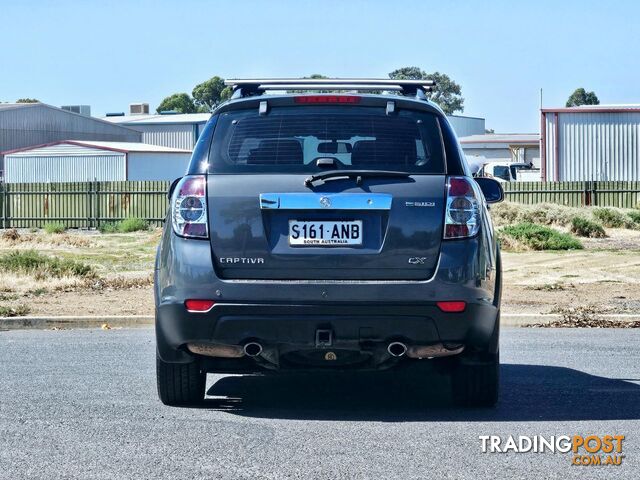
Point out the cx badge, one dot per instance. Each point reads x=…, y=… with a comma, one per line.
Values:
x=417, y=260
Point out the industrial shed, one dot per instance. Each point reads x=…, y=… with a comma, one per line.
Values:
x=169, y=130
x=505, y=147
x=27, y=124
x=465, y=126
x=81, y=161
x=595, y=142
x=182, y=130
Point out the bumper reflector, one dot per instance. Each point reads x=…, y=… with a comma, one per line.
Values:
x=452, y=307
x=199, y=305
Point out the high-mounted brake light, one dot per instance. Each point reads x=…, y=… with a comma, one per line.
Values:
x=348, y=99
x=189, y=207
x=199, y=305
x=462, y=218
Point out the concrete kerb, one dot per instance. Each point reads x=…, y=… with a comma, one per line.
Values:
x=65, y=322
x=115, y=321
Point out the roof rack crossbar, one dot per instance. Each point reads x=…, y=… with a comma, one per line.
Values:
x=257, y=86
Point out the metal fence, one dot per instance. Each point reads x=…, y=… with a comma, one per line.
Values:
x=81, y=204
x=91, y=204
x=575, y=194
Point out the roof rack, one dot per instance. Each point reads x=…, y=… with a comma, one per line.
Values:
x=257, y=86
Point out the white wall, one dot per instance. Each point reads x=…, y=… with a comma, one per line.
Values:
x=156, y=166
x=64, y=163
x=503, y=154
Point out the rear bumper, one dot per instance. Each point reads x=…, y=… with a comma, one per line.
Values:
x=281, y=329
x=285, y=315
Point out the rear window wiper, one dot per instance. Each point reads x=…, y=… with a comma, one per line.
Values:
x=357, y=174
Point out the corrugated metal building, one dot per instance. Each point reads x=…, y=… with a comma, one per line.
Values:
x=175, y=130
x=504, y=147
x=27, y=124
x=183, y=130
x=81, y=161
x=466, y=126
x=595, y=142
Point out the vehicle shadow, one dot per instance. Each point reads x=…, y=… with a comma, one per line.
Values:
x=528, y=393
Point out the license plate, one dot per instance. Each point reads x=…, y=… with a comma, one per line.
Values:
x=303, y=233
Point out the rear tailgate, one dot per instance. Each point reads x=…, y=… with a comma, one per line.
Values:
x=267, y=223
x=401, y=225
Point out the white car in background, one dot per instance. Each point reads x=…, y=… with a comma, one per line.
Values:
x=509, y=172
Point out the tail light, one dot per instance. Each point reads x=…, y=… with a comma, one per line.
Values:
x=199, y=305
x=452, y=307
x=462, y=218
x=189, y=207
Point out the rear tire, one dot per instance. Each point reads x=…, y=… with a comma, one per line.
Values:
x=180, y=383
x=476, y=384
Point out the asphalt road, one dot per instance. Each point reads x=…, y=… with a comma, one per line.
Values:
x=82, y=404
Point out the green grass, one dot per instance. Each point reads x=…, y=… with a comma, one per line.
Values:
x=43, y=266
x=540, y=237
x=133, y=225
x=612, y=218
x=108, y=228
x=583, y=227
x=55, y=227
x=127, y=225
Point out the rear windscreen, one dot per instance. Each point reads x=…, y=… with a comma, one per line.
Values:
x=312, y=139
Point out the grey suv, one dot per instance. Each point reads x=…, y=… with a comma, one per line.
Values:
x=328, y=231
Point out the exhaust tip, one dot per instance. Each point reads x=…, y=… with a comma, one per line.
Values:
x=397, y=349
x=252, y=349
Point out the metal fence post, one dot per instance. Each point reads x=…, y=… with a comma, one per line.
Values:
x=594, y=192
x=5, y=206
x=586, y=195
x=97, y=205
x=88, y=205
x=3, y=202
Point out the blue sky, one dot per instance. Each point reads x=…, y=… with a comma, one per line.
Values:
x=109, y=54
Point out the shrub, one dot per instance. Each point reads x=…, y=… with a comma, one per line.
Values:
x=634, y=215
x=540, y=237
x=55, y=227
x=583, y=227
x=132, y=225
x=43, y=266
x=125, y=226
x=108, y=228
x=544, y=213
x=611, y=218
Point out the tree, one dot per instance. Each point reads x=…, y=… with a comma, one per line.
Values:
x=313, y=76
x=446, y=93
x=209, y=94
x=180, y=102
x=27, y=100
x=582, y=97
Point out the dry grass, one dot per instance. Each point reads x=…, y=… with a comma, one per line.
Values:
x=19, y=310
x=22, y=284
x=117, y=262
x=12, y=238
x=508, y=213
